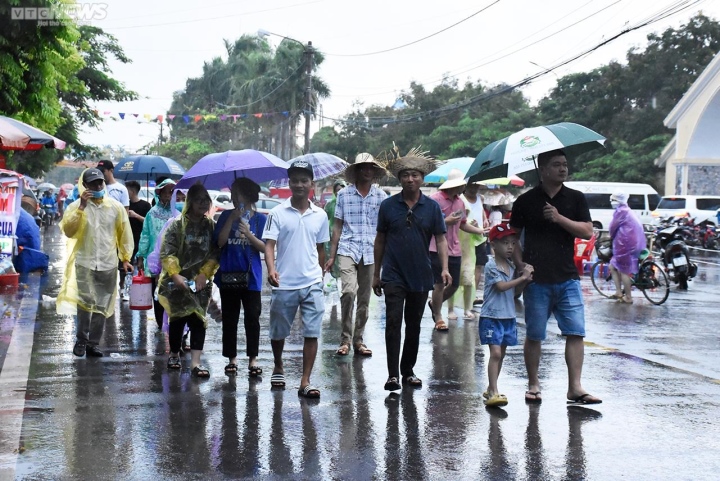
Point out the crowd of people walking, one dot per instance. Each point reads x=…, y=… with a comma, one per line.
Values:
x=406, y=247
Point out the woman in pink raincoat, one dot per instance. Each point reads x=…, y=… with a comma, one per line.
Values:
x=628, y=240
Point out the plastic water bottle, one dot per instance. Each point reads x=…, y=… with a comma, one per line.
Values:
x=128, y=283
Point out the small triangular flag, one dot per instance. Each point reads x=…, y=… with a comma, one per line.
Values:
x=186, y=118
x=198, y=118
x=171, y=117
x=258, y=116
x=122, y=115
x=135, y=115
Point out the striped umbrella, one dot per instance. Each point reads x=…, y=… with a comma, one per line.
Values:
x=323, y=165
x=16, y=135
x=517, y=153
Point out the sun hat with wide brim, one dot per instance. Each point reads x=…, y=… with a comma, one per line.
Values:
x=456, y=178
x=415, y=159
x=361, y=160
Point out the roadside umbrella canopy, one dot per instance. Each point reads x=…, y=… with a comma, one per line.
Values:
x=513, y=180
x=518, y=152
x=16, y=135
x=216, y=171
x=439, y=175
x=147, y=167
x=323, y=165
x=30, y=182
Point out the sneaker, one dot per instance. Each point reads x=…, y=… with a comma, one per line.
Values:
x=79, y=349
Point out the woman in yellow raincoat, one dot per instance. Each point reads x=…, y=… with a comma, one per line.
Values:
x=189, y=256
x=98, y=232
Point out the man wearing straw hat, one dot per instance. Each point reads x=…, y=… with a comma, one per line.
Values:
x=453, y=208
x=353, y=239
x=406, y=223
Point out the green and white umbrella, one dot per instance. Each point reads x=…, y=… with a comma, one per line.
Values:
x=517, y=153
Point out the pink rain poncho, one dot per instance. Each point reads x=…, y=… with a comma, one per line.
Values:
x=628, y=240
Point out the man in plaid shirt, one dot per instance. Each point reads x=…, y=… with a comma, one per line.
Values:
x=352, y=240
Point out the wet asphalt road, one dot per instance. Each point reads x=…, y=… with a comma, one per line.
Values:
x=126, y=417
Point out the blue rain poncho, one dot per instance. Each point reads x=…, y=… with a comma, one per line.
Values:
x=97, y=236
x=155, y=219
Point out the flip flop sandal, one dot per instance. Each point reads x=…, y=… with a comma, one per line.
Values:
x=486, y=395
x=231, y=368
x=392, y=384
x=343, y=350
x=200, y=371
x=309, y=392
x=535, y=399
x=413, y=381
x=277, y=380
x=441, y=326
x=497, y=400
x=363, y=350
x=583, y=399
x=174, y=363
x=254, y=371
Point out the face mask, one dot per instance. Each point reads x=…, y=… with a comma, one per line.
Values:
x=98, y=194
x=615, y=204
x=179, y=206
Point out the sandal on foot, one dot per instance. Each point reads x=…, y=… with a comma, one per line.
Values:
x=584, y=399
x=469, y=316
x=496, y=400
x=615, y=296
x=363, y=350
x=452, y=316
x=254, y=371
x=441, y=326
x=200, y=371
x=231, y=368
x=343, y=350
x=174, y=363
x=392, y=384
x=309, y=392
x=412, y=380
x=277, y=380
x=533, y=397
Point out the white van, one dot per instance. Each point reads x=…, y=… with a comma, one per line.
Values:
x=642, y=199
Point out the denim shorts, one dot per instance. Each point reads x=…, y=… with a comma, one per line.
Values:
x=563, y=300
x=498, y=332
x=284, y=305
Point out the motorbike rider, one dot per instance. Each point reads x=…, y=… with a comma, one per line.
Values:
x=48, y=203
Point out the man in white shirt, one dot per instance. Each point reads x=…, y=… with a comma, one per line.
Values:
x=98, y=231
x=115, y=189
x=299, y=229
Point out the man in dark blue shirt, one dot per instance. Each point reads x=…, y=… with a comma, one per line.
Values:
x=406, y=223
x=551, y=216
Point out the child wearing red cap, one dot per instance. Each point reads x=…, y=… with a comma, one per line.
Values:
x=498, y=328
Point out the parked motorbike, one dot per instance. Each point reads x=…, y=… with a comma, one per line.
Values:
x=675, y=255
x=710, y=236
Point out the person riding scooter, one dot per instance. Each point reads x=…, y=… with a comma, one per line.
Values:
x=49, y=207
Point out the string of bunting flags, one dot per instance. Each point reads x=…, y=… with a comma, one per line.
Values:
x=188, y=118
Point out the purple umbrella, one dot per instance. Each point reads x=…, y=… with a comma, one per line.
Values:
x=216, y=171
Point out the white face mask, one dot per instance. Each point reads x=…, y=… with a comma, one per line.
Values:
x=615, y=204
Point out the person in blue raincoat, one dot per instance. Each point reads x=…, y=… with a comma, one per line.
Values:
x=628, y=241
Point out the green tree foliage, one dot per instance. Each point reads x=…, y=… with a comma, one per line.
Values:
x=254, y=79
x=628, y=102
x=50, y=74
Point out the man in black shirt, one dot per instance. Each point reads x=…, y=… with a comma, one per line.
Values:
x=551, y=216
x=137, y=211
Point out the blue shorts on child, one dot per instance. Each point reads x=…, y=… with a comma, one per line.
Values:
x=498, y=332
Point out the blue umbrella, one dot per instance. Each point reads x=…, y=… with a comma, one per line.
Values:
x=439, y=175
x=146, y=167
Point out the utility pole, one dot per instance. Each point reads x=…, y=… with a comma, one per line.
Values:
x=309, y=53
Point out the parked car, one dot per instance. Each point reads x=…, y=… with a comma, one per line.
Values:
x=702, y=208
x=265, y=204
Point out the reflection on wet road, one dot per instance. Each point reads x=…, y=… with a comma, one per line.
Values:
x=126, y=417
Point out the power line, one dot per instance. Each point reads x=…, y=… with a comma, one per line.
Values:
x=414, y=41
x=433, y=113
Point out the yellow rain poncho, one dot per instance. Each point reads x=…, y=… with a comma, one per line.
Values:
x=96, y=237
x=187, y=249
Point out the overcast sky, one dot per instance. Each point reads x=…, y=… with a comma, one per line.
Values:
x=168, y=41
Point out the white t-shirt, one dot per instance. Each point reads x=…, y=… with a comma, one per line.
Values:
x=119, y=192
x=297, y=236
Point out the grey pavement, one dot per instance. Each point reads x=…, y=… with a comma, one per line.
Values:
x=126, y=417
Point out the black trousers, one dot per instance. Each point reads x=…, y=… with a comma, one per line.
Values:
x=400, y=303
x=197, y=332
x=157, y=307
x=231, y=300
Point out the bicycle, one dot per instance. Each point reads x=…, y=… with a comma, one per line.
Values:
x=650, y=279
